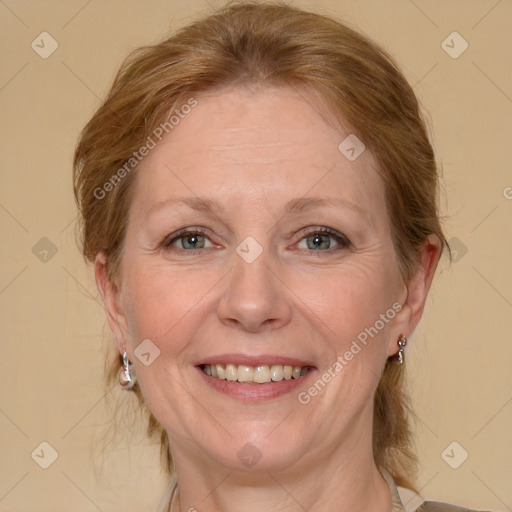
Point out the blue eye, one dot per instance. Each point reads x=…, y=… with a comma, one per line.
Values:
x=194, y=240
x=320, y=240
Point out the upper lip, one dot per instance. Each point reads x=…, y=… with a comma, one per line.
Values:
x=255, y=360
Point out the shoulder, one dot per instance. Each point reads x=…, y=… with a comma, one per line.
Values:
x=439, y=506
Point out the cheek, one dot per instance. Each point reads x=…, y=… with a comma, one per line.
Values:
x=160, y=299
x=347, y=300
x=159, y=307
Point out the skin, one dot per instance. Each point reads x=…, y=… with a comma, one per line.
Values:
x=253, y=151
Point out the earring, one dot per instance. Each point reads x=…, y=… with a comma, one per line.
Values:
x=126, y=377
x=402, y=341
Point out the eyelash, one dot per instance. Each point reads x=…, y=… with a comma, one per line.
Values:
x=343, y=241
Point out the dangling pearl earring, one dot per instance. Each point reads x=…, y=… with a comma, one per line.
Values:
x=402, y=341
x=126, y=376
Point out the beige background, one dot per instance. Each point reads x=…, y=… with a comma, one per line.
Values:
x=53, y=326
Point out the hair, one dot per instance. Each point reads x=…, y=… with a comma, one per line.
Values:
x=262, y=43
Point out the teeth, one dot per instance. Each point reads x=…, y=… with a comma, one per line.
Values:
x=231, y=373
x=296, y=372
x=245, y=373
x=260, y=374
x=277, y=372
x=221, y=372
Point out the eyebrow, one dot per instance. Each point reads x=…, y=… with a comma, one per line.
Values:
x=297, y=205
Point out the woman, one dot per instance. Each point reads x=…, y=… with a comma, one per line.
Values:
x=258, y=194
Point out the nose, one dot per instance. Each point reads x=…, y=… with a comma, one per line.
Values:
x=255, y=298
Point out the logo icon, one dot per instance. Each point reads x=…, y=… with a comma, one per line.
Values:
x=44, y=250
x=249, y=249
x=454, y=45
x=351, y=147
x=44, y=45
x=146, y=352
x=249, y=455
x=44, y=455
x=454, y=455
x=458, y=249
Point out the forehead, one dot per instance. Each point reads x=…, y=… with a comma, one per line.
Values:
x=272, y=144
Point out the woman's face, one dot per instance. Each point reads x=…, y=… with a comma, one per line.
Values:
x=260, y=284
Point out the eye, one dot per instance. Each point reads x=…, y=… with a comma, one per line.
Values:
x=318, y=240
x=193, y=240
x=190, y=240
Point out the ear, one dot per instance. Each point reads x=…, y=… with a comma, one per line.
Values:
x=417, y=290
x=111, y=300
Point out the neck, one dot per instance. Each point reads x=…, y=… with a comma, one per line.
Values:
x=327, y=486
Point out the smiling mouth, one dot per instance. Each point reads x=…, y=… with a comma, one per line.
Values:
x=262, y=374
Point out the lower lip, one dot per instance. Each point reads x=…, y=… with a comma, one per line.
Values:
x=254, y=392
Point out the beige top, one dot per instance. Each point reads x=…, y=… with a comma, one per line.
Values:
x=424, y=506
x=398, y=506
